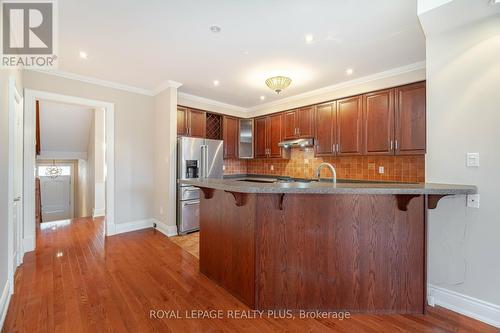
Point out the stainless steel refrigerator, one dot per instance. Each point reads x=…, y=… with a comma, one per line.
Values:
x=196, y=158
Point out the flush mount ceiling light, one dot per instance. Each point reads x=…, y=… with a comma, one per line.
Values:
x=215, y=29
x=278, y=83
x=309, y=39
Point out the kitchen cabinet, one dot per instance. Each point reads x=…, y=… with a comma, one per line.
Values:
x=230, y=136
x=274, y=135
x=191, y=122
x=298, y=123
x=378, y=122
x=410, y=122
x=394, y=121
x=325, y=119
x=260, y=137
x=268, y=134
x=182, y=120
x=349, y=138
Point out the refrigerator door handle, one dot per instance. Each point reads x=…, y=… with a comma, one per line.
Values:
x=206, y=161
x=202, y=167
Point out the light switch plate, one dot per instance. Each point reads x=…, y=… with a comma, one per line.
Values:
x=473, y=160
x=473, y=200
x=381, y=169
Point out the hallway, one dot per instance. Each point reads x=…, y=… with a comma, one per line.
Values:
x=77, y=282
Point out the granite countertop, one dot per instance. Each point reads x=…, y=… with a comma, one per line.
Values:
x=314, y=187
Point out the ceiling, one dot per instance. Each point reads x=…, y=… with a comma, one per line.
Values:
x=144, y=44
x=64, y=128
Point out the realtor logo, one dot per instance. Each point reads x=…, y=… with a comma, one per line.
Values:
x=28, y=30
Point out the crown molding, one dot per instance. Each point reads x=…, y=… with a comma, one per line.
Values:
x=211, y=102
x=345, y=84
x=96, y=81
x=165, y=85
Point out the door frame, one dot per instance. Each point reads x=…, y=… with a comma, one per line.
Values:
x=31, y=95
x=13, y=263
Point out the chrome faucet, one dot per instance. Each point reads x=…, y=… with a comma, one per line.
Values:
x=332, y=169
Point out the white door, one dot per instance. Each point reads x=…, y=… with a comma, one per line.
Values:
x=17, y=214
x=56, y=198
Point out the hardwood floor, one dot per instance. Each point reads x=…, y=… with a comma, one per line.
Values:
x=79, y=281
x=189, y=242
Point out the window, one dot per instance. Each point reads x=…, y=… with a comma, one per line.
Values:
x=66, y=170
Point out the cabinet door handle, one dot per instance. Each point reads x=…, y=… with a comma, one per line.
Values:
x=391, y=145
x=338, y=150
x=396, y=144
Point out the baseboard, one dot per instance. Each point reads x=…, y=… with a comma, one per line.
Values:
x=120, y=228
x=4, y=303
x=167, y=230
x=29, y=244
x=468, y=306
x=98, y=212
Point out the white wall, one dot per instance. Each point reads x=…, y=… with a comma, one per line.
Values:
x=463, y=115
x=134, y=134
x=4, y=162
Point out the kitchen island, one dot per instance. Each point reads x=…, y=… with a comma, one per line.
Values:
x=358, y=247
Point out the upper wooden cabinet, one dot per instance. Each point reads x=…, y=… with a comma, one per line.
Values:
x=268, y=134
x=260, y=137
x=378, y=122
x=410, y=122
x=274, y=135
x=230, y=136
x=325, y=119
x=182, y=120
x=349, y=137
x=394, y=121
x=298, y=123
x=191, y=122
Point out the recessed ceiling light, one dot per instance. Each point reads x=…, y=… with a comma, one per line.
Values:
x=309, y=39
x=83, y=55
x=215, y=29
x=216, y=83
x=262, y=98
x=349, y=71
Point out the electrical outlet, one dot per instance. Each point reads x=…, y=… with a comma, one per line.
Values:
x=223, y=168
x=306, y=161
x=473, y=200
x=473, y=160
x=271, y=167
x=381, y=169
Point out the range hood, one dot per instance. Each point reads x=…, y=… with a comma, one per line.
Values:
x=297, y=143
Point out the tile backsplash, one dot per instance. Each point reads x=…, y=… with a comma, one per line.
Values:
x=303, y=164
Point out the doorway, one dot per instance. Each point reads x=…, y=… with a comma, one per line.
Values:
x=30, y=156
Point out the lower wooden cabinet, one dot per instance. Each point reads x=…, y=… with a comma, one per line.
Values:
x=230, y=131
